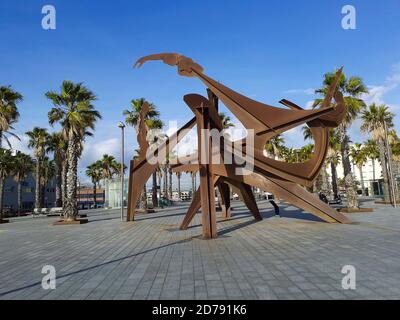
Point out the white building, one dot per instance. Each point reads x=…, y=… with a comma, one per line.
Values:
x=371, y=172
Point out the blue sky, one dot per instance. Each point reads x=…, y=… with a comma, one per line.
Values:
x=267, y=50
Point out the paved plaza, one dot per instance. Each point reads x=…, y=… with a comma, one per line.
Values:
x=294, y=256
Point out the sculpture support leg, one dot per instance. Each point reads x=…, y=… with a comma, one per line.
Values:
x=206, y=178
x=225, y=199
x=194, y=206
x=249, y=200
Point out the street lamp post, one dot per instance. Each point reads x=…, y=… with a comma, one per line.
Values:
x=121, y=125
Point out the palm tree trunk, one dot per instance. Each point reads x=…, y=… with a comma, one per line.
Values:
x=352, y=201
x=154, y=198
x=63, y=183
x=71, y=208
x=193, y=176
x=170, y=184
x=94, y=195
x=58, y=185
x=19, y=197
x=334, y=180
x=38, y=201
x=106, y=193
x=143, y=199
x=373, y=169
x=325, y=181
x=42, y=196
x=318, y=183
x=362, y=180
x=1, y=198
x=159, y=176
x=382, y=157
x=165, y=182
x=178, y=176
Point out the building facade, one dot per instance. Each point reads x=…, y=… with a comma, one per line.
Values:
x=86, y=197
x=10, y=199
x=372, y=176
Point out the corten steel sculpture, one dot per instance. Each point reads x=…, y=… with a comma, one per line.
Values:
x=280, y=178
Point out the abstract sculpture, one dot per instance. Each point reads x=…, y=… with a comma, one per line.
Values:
x=279, y=178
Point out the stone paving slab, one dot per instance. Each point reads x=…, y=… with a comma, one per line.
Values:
x=295, y=256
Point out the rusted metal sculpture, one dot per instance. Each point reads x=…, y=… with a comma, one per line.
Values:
x=280, y=178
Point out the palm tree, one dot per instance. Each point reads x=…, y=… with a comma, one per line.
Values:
x=274, y=146
x=226, y=120
x=172, y=156
x=193, y=178
x=108, y=168
x=359, y=158
x=143, y=196
x=132, y=116
x=178, y=177
x=152, y=122
x=332, y=157
x=164, y=168
x=48, y=171
x=56, y=145
x=74, y=111
x=351, y=88
x=94, y=172
x=372, y=151
x=38, y=139
x=373, y=121
x=8, y=111
x=22, y=166
x=6, y=166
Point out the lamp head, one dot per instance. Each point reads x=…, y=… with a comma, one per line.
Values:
x=121, y=125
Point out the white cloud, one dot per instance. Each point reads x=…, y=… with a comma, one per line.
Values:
x=94, y=151
x=377, y=92
x=294, y=137
x=309, y=104
x=19, y=145
x=308, y=92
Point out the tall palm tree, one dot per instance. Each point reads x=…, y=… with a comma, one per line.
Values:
x=373, y=121
x=8, y=111
x=274, y=146
x=108, y=168
x=22, y=166
x=74, y=111
x=48, y=171
x=56, y=145
x=152, y=122
x=193, y=179
x=352, y=88
x=372, y=151
x=226, y=120
x=178, y=177
x=94, y=172
x=359, y=158
x=164, y=168
x=38, y=139
x=171, y=158
x=332, y=157
x=143, y=196
x=6, y=166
